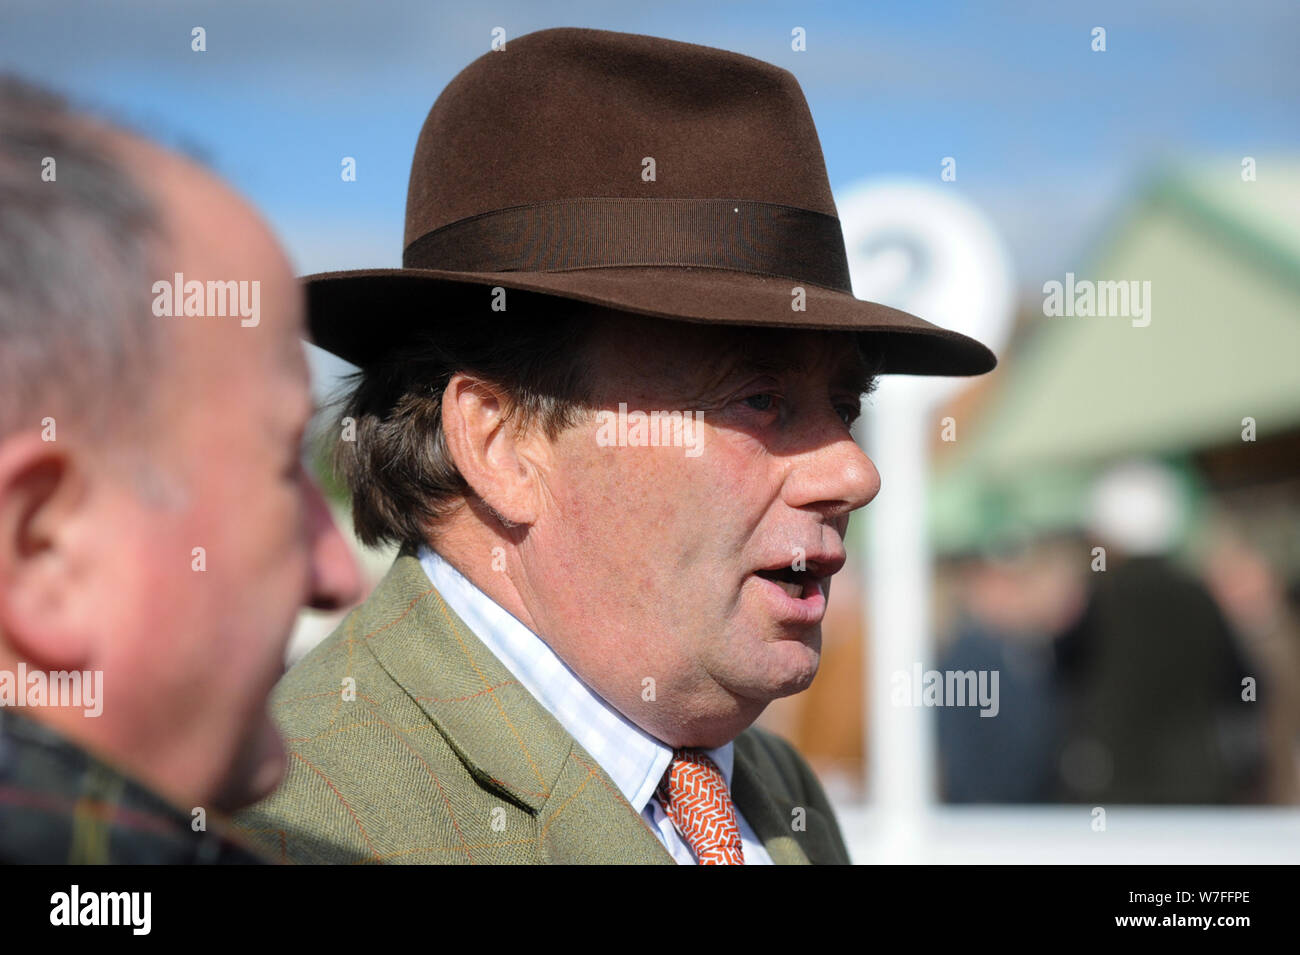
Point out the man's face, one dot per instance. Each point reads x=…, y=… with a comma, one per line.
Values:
x=233, y=538
x=703, y=569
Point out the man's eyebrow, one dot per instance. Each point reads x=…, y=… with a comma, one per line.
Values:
x=853, y=373
x=858, y=374
x=856, y=369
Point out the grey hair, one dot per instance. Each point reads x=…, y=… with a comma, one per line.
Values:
x=76, y=329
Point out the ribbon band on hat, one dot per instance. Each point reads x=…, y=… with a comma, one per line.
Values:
x=738, y=235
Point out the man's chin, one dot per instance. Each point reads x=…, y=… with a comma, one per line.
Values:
x=794, y=674
x=796, y=684
x=797, y=665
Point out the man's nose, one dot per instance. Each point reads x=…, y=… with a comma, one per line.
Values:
x=835, y=478
x=335, y=576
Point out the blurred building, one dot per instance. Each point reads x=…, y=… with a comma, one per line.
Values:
x=1207, y=382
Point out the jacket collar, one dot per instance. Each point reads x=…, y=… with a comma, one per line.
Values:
x=504, y=737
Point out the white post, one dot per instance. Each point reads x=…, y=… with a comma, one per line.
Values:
x=923, y=249
x=898, y=627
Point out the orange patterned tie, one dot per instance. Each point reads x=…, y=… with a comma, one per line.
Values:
x=694, y=795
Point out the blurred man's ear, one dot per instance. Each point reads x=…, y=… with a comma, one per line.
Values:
x=43, y=490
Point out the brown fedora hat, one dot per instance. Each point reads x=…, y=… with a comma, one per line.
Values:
x=631, y=172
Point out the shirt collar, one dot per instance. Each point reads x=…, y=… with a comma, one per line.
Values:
x=634, y=760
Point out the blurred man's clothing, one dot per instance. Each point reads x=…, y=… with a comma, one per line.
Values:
x=635, y=760
x=1010, y=757
x=1153, y=677
x=411, y=742
x=59, y=804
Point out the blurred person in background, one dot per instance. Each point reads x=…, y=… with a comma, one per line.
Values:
x=1254, y=596
x=158, y=534
x=1151, y=670
x=1011, y=602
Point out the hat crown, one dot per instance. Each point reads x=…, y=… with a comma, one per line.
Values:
x=528, y=175
x=573, y=113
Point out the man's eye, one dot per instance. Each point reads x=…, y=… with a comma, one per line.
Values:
x=762, y=402
x=848, y=413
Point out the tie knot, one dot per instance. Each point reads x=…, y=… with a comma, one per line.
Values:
x=695, y=797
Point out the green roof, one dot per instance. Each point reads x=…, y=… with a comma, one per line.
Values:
x=1223, y=343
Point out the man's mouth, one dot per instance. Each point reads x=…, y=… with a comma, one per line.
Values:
x=798, y=597
x=797, y=583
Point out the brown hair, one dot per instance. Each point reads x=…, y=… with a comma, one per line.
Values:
x=398, y=468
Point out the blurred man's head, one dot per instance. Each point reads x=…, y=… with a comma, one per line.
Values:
x=155, y=522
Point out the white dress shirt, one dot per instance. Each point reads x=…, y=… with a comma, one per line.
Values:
x=634, y=760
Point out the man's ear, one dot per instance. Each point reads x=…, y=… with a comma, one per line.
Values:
x=43, y=486
x=499, y=463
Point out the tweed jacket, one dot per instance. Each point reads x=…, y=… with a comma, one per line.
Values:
x=410, y=742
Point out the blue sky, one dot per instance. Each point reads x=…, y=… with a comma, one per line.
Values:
x=1049, y=137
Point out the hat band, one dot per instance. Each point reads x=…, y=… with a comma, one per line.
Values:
x=561, y=235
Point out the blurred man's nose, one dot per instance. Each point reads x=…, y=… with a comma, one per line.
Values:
x=335, y=576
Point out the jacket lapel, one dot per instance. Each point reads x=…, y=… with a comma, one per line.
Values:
x=783, y=802
x=766, y=812
x=505, y=738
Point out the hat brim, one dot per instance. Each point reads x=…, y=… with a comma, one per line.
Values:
x=364, y=315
